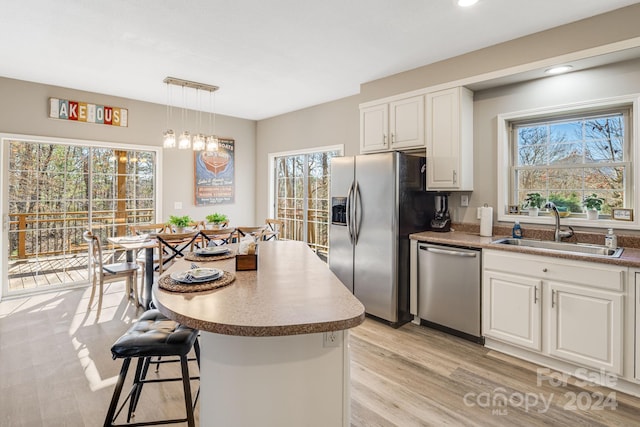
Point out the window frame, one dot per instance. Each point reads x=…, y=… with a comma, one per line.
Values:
x=272, y=169
x=506, y=152
x=6, y=138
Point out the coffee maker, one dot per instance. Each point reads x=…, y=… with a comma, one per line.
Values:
x=441, y=219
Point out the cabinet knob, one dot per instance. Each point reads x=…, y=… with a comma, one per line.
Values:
x=544, y=270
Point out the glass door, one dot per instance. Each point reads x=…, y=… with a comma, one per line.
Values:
x=301, y=196
x=54, y=191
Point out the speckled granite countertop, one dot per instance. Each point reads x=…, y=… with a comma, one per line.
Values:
x=292, y=292
x=468, y=235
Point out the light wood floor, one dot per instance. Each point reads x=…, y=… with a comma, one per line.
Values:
x=56, y=370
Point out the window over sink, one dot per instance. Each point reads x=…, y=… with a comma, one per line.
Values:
x=566, y=155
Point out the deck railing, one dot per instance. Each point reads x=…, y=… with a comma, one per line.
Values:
x=56, y=233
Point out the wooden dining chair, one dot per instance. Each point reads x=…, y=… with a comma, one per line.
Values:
x=101, y=273
x=220, y=236
x=174, y=244
x=152, y=230
x=273, y=229
x=256, y=232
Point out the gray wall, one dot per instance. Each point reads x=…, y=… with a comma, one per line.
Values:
x=332, y=123
x=603, y=82
x=24, y=110
x=612, y=27
x=338, y=122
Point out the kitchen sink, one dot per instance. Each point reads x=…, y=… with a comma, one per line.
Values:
x=573, y=248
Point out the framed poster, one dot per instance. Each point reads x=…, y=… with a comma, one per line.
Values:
x=214, y=174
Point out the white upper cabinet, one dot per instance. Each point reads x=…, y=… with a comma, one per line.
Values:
x=450, y=139
x=406, y=120
x=374, y=128
x=395, y=125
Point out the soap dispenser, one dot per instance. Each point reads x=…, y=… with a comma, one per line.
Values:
x=516, y=232
x=611, y=240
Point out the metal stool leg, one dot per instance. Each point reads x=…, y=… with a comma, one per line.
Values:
x=136, y=390
x=186, y=382
x=116, y=393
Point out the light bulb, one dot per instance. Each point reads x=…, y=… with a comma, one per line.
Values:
x=169, y=139
x=184, y=142
x=212, y=143
x=198, y=142
x=559, y=69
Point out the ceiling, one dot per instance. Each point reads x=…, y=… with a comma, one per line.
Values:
x=268, y=57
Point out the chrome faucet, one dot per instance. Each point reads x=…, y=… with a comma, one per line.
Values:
x=559, y=234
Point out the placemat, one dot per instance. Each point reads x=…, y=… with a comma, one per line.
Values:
x=192, y=256
x=167, y=283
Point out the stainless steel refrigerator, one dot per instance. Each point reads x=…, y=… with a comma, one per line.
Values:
x=377, y=200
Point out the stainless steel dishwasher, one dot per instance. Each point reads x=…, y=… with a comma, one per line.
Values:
x=449, y=292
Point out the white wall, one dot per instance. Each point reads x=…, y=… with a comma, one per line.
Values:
x=24, y=110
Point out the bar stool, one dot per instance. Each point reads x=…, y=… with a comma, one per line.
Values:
x=153, y=335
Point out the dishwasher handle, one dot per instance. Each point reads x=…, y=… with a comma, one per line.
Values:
x=448, y=252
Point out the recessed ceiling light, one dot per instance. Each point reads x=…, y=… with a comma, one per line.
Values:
x=466, y=3
x=559, y=69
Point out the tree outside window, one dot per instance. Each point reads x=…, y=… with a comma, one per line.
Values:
x=565, y=159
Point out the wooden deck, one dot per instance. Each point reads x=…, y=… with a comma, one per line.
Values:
x=51, y=272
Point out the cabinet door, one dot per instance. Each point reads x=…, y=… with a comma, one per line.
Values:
x=443, y=124
x=585, y=326
x=374, y=128
x=511, y=309
x=406, y=120
x=636, y=304
x=449, y=139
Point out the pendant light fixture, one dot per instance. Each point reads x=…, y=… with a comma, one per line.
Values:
x=184, y=142
x=169, y=137
x=198, y=140
x=212, y=140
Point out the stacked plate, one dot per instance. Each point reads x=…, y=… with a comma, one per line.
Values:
x=197, y=275
x=134, y=239
x=213, y=250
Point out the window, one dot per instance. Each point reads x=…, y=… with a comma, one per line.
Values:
x=568, y=155
x=301, y=182
x=58, y=189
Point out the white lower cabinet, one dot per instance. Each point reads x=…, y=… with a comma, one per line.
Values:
x=565, y=309
x=512, y=309
x=585, y=326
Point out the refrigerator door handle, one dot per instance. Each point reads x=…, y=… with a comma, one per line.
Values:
x=357, y=212
x=349, y=216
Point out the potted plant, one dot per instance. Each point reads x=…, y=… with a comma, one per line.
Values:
x=217, y=219
x=593, y=204
x=533, y=203
x=180, y=222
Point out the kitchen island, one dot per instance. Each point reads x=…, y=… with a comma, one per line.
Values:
x=274, y=342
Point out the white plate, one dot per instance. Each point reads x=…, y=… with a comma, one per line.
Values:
x=134, y=239
x=215, y=250
x=198, y=275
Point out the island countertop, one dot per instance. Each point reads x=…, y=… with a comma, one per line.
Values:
x=292, y=292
